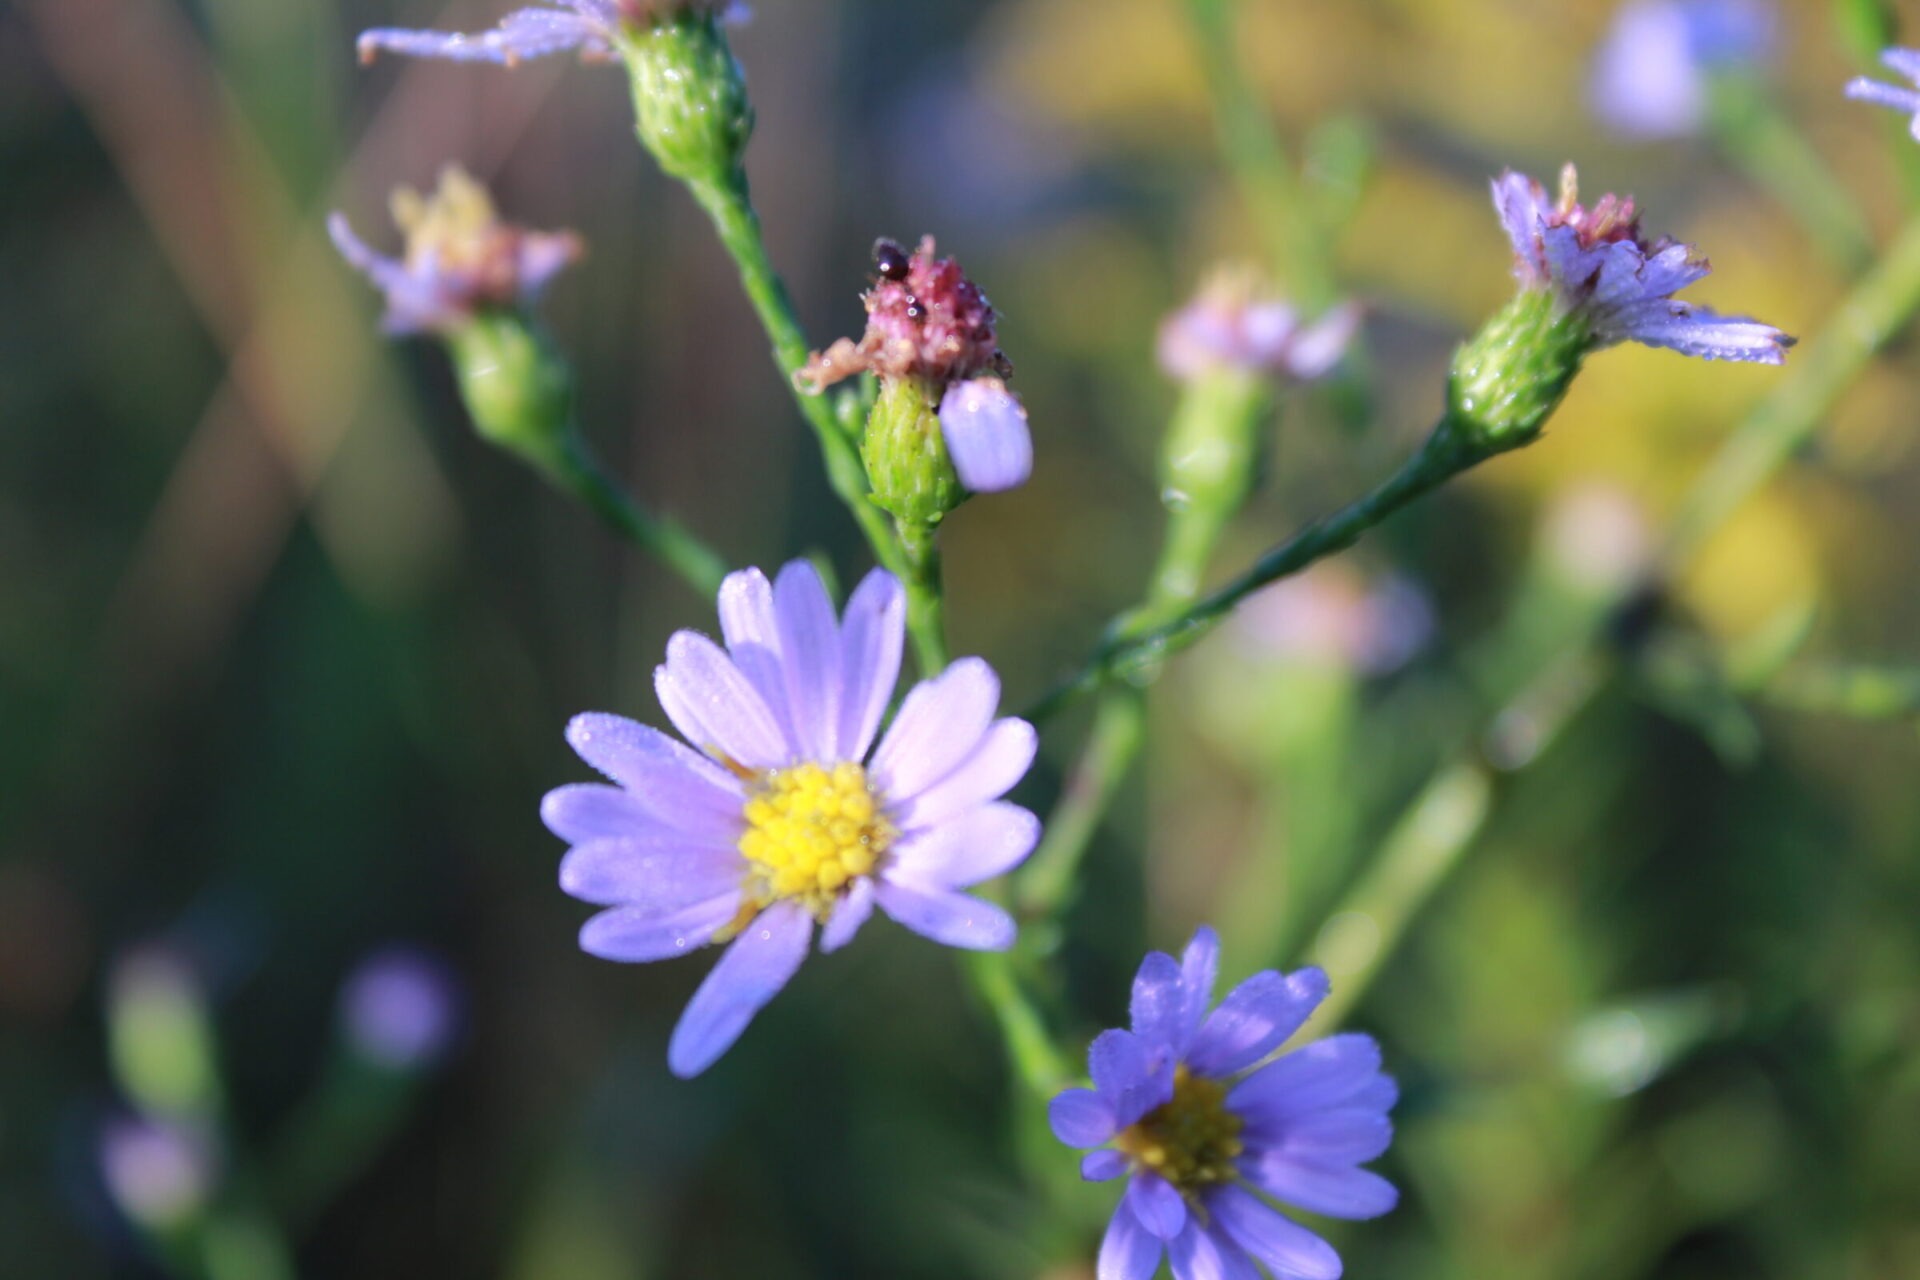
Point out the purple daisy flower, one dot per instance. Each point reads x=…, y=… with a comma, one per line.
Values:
x=1601, y=268
x=590, y=28
x=460, y=257
x=1902, y=62
x=782, y=818
x=1208, y=1131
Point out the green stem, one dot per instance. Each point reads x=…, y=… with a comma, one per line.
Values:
x=730, y=207
x=925, y=607
x=1030, y=1048
x=1443, y=456
x=1119, y=729
x=1862, y=692
x=573, y=469
x=1773, y=152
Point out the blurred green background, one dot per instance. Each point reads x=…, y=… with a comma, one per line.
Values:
x=285, y=652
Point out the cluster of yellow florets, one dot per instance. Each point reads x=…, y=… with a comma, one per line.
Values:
x=810, y=831
x=1191, y=1140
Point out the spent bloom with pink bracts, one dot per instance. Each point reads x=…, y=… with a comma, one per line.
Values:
x=1902, y=62
x=1232, y=325
x=1618, y=284
x=784, y=815
x=926, y=321
x=460, y=257
x=590, y=28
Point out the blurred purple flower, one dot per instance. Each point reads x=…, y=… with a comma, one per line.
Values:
x=460, y=257
x=158, y=1172
x=1184, y=1104
x=1600, y=268
x=781, y=819
x=400, y=1008
x=588, y=27
x=1902, y=62
x=1329, y=614
x=1650, y=77
x=1229, y=325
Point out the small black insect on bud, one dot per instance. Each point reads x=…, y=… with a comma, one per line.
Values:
x=890, y=259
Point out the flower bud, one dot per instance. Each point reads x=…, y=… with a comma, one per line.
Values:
x=690, y=101
x=517, y=388
x=1508, y=380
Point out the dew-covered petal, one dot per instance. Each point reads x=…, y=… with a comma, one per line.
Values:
x=663, y=775
x=810, y=657
x=582, y=811
x=1206, y=1253
x=1128, y=1251
x=1255, y=1019
x=1156, y=1204
x=659, y=873
x=635, y=934
x=985, y=427
x=871, y=635
x=1282, y=1244
x=1103, y=1165
x=521, y=35
x=971, y=847
x=954, y=919
x=754, y=968
x=752, y=632
x=1696, y=331
x=1334, y=1191
x=940, y=724
x=1081, y=1118
x=1002, y=758
x=1158, y=1005
x=848, y=915
x=715, y=707
x=1199, y=970
x=1322, y=1074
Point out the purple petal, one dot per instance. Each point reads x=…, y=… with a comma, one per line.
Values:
x=1255, y=1019
x=715, y=707
x=848, y=915
x=1342, y=1136
x=1696, y=331
x=1002, y=758
x=870, y=638
x=1199, y=969
x=1103, y=1165
x=523, y=34
x=752, y=632
x=1317, y=348
x=634, y=934
x=664, y=776
x=1522, y=206
x=1322, y=1074
x=415, y=303
x=1905, y=62
x=1081, y=1118
x=1334, y=1191
x=1285, y=1246
x=1156, y=1204
x=1158, y=1006
x=1128, y=1076
x=986, y=432
x=939, y=726
x=658, y=874
x=810, y=654
x=1201, y=1253
x=583, y=811
x=1128, y=1251
x=977, y=845
x=752, y=971
x=953, y=919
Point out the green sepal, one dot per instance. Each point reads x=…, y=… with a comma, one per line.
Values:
x=690, y=101
x=905, y=451
x=1512, y=375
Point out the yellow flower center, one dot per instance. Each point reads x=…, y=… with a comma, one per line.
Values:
x=1191, y=1140
x=811, y=831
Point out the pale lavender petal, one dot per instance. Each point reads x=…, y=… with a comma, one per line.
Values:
x=985, y=427
x=1255, y=1019
x=752, y=632
x=870, y=639
x=954, y=919
x=1203, y=1253
x=1317, y=348
x=662, y=774
x=1001, y=759
x=416, y=302
x=1522, y=206
x=1156, y=1204
x=636, y=934
x=974, y=846
x=1569, y=266
x=1672, y=269
x=592, y=810
x=848, y=915
x=1158, y=1006
x=715, y=707
x=1333, y=1191
x=939, y=725
x=1322, y=1074
x=1199, y=969
x=810, y=655
x=760, y=961
x=1130, y=1079
x=1282, y=1244
x=1081, y=1118
x=1340, y=1136
x=1861, y=89
x=1103, y=1165
x=657, y=874
x=1128, y=1251
x=1900, y=61
x=523, y=34
x=1696, y=331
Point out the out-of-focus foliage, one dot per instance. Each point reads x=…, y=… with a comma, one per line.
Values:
x=285, y=652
